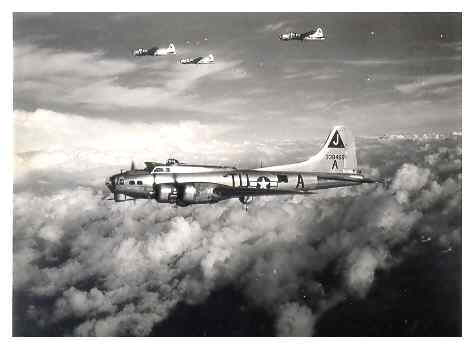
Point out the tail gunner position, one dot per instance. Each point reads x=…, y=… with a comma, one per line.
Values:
x=184, y=184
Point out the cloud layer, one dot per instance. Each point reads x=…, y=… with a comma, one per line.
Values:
x=91, y=80
x=99, y=268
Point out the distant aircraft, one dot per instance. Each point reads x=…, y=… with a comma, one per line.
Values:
x=198, y=60
x=155, y=51
x=316, y=34
x=184, y=184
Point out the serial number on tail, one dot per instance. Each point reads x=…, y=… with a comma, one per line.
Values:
x=335, y=156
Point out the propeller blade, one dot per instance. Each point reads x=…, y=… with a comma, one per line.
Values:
x=132, y=165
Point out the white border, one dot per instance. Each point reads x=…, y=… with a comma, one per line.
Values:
x=6, y=138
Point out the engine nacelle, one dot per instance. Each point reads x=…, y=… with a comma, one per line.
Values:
x=166, y=193
x=120, y=197
x=190, y=193
x=195, y=193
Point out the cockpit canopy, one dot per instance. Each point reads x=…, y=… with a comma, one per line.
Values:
x=155, y=167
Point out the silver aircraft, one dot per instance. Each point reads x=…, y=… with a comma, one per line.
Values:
x=184, y=184
x=198, y=60
x=316, y=34
x=155, y=51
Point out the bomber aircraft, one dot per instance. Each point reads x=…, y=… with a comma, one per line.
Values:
x=155, y=51
x=198, y=60
x=316, y=34
x=184, y=184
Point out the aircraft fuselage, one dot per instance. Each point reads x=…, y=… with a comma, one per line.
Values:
x=214, y=186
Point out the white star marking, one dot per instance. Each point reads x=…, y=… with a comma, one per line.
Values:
x=263, y=183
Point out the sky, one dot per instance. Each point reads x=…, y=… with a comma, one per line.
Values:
x=368, y=260
x=403, y=78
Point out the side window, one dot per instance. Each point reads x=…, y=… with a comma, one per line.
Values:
x=159, y=170
x=121, y=181
x=168, y=170
x=131, y=182
x=139, y=182
x=282, y=178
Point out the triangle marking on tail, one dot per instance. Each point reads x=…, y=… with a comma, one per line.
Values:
x=336, y=141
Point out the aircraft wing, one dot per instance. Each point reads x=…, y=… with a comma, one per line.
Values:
x=304, y=35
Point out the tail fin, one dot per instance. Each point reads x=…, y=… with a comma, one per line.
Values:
x=319, y=32
x=338, y=155
x=171, y=48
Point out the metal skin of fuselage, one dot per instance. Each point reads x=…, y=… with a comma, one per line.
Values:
x=184, y=184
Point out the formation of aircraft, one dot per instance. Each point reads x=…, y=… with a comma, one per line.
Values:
x=335, y=165
x=155, y=51
x=316, y=34
x=182, y=184
x=170, y=50
x=198, y=60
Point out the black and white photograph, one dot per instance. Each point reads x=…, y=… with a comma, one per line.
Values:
x=237, y=174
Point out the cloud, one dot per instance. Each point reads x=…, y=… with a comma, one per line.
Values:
x=426, y=83
x=295, y=321
x=92, y=81
x=233, y=74
x=32, y=62
x=83, y=150
x=73, y=143
x=362, y=266
x=401, y=61
x=272, y=27
x=110, y=269
x=315, y=74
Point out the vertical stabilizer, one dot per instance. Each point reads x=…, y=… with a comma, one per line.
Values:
x=171, y=48
x=338, y=155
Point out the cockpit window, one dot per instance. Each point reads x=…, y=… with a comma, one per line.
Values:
x=131, y=182
x=158, y=170
x=139, y=182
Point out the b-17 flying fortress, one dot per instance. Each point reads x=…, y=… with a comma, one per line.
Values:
x=198, y=60
x=155, y=51
x=184, y=184
x=316, y=34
